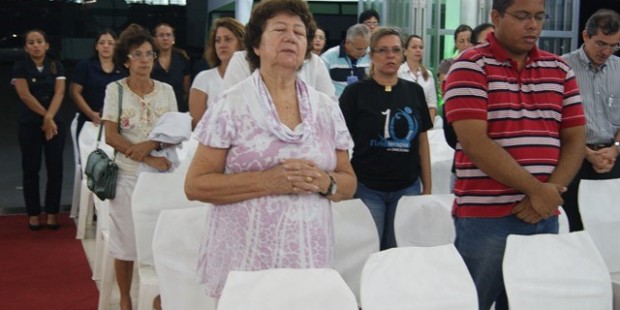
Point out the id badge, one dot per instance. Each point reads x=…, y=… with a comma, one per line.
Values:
x=351, y=79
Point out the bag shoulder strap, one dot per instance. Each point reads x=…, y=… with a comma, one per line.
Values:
x=118, y=121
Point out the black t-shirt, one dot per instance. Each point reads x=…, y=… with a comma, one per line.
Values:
x=41, y=85
x=385, y=126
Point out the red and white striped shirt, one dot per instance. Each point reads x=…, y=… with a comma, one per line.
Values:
x=525, y=111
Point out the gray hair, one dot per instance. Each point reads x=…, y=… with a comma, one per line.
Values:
x=358, y=30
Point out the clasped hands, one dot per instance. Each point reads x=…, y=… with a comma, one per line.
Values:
x=297, y=176
x=49, y=127
x=602, y=160
x=540, y=204
x=141, y=152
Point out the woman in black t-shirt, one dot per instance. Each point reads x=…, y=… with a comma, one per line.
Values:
x=388, y=119
x=40, y=84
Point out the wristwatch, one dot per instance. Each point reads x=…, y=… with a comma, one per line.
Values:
x=331, y=189
x=617, y=144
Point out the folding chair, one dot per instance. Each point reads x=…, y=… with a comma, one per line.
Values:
x=356, y=238
x=424, y=220
x=418, y=278
x=549, y=271
x=176, y=242
x=77, y=174
x=286, y=289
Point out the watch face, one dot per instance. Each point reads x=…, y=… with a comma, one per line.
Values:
x=333, y=189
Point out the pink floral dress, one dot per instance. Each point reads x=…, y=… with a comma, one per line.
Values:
x=280, y=231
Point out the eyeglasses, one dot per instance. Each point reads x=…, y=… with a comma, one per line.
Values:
x=385, y=50
x=140, y=55
x=371, y=24
x=524, y=17
x=603, y=46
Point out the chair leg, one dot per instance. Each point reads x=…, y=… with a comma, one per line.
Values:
x=86, y=201
x=149, y=287
x=77, y=185
x=107, y=277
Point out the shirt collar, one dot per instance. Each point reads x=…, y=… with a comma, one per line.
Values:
x=500, y=52
x=586, y=61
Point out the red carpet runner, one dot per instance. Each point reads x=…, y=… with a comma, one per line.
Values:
x=43, y=269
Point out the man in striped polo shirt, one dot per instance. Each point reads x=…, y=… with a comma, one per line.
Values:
x=598, y=74
x=517, y=113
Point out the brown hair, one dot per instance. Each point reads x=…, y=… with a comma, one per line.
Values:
x=267, y=9
x=422, y=67
x=229, y=23
x=133, y=36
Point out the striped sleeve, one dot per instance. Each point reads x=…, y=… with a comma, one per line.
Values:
x=572, y=109
x=466, y=90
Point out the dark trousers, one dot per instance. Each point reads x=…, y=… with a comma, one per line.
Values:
x=571, y=205
x=33, y=144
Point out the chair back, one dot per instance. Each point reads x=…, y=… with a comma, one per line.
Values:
x=153, y=193
x=424, y=220
x=563, y=226
x=286, y=289
x=356, y=238
x=441, y=161
x=74, y=139
x=418, y=278
x=600, y=213
x=549, y=271
x=176, y=243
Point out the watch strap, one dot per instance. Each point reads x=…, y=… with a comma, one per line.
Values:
x=330, y=188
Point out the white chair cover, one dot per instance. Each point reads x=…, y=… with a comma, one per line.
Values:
x=77, y=173
x=286, y=289
x=549, y=271
x=154, y=192
x=441, y=161
x=600, y=213
x=176, y=241
x=356, y=238
x=564, y=227
x=418, y=278
x=424, y=220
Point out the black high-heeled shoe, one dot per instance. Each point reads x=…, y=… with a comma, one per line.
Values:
x=53, y=226
x=33, y=227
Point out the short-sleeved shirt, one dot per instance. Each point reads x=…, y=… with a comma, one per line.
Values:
x=89, y=74
x=386, y=127
x=430, y=90
x=41, y=84
x=525, y=112
x=312, y=71
x=341, y=67
x=179, y=68
x=138, y=116
x=600, y=92
x=209, y=82
x=274, y=231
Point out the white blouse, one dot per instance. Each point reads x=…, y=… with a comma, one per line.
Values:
x=430, y=91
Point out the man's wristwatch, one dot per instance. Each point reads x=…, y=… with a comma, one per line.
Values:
x=617, y=144
x=331, y=189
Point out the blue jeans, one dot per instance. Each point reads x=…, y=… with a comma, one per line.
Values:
x=482, y=241
x=382, y=206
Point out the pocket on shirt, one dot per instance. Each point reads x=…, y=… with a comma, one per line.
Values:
x=613, y=106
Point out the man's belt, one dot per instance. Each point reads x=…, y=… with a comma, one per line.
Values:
x=596, y=147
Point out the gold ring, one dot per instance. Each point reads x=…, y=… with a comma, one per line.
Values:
x=309, y=179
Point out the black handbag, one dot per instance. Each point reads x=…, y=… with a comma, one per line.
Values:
x=101, y=171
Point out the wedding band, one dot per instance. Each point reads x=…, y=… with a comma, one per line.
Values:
x=309, y=179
